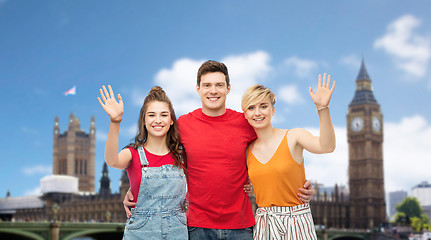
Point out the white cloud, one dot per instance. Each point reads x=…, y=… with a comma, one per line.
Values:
x=244, y=71
x=406, y=156
x=411, y=51
x=28, y=130
x=301, y=67
x=32, y=192
x=101, y=135
x=179, y=82
x=138, y=97
x=38, y=169
x=407, y=151
x=290, y=95
x=331, y=168
x=351, y=60
x=130, y=130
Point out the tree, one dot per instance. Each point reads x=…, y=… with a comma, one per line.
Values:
x=402, y=219
x=411, y=207
x=411, y=213
x=416, y=224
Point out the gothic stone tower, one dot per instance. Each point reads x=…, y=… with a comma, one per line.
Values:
x=74, y=153
x=105, y=182
x=365, y=139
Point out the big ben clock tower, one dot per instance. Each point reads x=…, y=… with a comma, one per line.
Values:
x=365, y=138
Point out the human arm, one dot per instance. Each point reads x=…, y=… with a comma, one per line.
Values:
x=325, y=142
x=248, y=189
x=128, y=203
x=115, y=111
x=306, y=193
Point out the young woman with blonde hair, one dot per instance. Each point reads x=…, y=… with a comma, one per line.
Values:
x=276, y=165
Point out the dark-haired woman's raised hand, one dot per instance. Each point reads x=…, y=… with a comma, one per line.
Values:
x=113, y=108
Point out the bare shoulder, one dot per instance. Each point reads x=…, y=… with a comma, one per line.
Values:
x=294, y=135
x=125, y=155
x=126, y=151
x=295, y=132
x=298, y=131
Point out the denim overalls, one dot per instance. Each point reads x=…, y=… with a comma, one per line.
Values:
x=158, y=213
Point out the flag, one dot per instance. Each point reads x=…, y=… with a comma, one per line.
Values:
x=71, y=91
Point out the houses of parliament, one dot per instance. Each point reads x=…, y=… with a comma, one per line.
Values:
x=69, y=193
x=362, y=207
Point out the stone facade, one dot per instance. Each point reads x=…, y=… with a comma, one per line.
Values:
x=364, y=206
x=74, y=153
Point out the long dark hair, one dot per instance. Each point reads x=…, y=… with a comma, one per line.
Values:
x=173, y=140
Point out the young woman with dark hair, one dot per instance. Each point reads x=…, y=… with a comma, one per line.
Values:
x=154, y=163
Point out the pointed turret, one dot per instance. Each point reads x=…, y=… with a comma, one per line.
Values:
x=363, y=74
x=364, y=89
x=56, y=126
x=93, y=127
x=105, y=182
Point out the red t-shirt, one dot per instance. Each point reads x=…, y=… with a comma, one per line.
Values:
x=134, y=171
x=216, y=169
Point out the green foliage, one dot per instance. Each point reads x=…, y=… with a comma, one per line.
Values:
x=425, y=218
x=410, y=212
x=401, y=219
x=411, y=207
x=416, y=224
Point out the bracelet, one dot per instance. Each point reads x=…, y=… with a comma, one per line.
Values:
x=326, y=107
x=116, y=121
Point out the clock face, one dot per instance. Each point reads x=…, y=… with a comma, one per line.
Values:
x=357, y=124
x=376, y=124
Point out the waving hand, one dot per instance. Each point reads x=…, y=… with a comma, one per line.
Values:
x=323, y=93
x=113, y=108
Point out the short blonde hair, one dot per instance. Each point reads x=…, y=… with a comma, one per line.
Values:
x=256, y=94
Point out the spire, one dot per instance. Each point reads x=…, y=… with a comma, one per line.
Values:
x=105, y=172
x=105, y=182
x=363, y=74
x=92, y=126
x=364, y=89
x=56, y=126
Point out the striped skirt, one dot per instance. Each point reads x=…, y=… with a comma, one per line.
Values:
x=284, y=223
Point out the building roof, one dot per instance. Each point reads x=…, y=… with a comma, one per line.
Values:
x=363, y=73
x=364, y=93
x=424, y=184
x=11, y=204
x=59, y=184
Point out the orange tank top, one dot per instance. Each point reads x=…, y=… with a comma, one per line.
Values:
x=276, y=182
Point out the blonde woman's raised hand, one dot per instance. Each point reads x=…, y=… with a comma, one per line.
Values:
x=323, y=94
x=113, y=108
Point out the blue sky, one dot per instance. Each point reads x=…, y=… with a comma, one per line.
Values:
x=47, y=47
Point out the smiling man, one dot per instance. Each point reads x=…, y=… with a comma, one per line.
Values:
x=215, y=139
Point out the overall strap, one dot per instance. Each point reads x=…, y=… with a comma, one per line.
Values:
x=142, y=156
